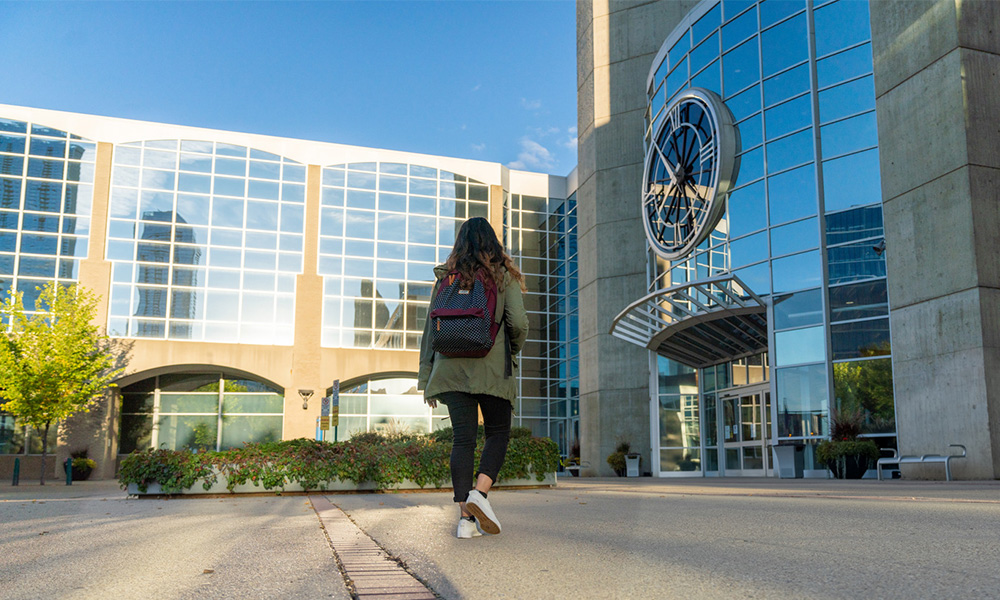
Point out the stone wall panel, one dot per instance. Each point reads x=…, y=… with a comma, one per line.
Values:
x=981, y=75
x=921, y=125
x=929, y=237
x=908, y=35
x=979, y=24
x=955, y=413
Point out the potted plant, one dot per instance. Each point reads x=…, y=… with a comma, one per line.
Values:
x=845, y=455
x=616, y=460
x=82, y=466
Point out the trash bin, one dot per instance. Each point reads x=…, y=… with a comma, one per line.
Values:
x=632, y=465
x=788, y=460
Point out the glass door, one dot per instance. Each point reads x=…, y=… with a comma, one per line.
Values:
x=743, y=415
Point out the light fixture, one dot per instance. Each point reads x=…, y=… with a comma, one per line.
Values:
x=305, y=395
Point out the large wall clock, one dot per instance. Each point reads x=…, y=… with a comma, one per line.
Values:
x=690, y=167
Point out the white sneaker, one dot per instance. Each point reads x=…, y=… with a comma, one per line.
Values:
x=467, y=529
x=479, y=506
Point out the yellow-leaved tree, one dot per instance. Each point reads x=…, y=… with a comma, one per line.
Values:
x=54, y=362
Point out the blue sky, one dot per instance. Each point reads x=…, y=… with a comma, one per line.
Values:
x=488, y=80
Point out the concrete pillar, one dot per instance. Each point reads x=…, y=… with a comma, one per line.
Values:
x=96, y=430
x=616, y=44
x=306, y=354
x=937, y=69
x=496, y=210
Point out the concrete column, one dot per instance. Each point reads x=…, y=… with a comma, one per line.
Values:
x=95, y=272
x=496, y=210
x=616, y=44
x=96, y=430
x=306, y=355
x=937, y=69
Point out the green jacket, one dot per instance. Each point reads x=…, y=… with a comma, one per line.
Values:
x=484, y=375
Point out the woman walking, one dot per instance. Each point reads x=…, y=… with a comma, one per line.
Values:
x=469, y=385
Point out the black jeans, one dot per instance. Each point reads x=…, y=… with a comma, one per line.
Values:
x=465, y=423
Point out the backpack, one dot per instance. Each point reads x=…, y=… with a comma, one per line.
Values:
x=462, y=320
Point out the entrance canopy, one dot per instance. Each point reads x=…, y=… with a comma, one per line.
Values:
x=699, y=323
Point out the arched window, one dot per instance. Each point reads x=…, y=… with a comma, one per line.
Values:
x=199, y=412
x=388, y=404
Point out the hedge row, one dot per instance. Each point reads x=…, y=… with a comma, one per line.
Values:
x=368, y=457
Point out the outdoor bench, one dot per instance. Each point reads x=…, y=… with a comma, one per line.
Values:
x=575, y=469
x=926, y=458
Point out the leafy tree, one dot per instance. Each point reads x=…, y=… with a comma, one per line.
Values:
x=54, y=362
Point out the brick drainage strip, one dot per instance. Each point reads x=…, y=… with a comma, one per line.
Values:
x=368, y=570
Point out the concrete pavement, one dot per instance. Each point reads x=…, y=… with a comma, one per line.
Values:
x=587, y=538
x=88, y=542
x=749, y=538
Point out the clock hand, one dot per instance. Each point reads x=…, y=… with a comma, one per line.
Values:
x=666, y=164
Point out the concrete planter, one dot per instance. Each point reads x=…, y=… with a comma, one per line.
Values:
x=219, y=487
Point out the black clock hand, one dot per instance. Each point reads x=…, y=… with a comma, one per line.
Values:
x=666, y=164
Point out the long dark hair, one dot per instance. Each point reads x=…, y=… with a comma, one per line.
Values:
x=478, y=249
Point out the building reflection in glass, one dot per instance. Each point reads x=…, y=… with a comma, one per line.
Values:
x=383, y=228
x=46, y=178
x=205, y=239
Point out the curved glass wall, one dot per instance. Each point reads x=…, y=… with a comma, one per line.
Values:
x=46, y=193
x=383, y=228
x=388, y=405
x=803, y=223
x=198, y=412
x=205, y=239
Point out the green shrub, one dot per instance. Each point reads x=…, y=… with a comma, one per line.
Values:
x=527, y=456
x=367, y=457
x=84, y=463
x=443, y=435
x=174, y=470
x=519, y=432
x=833, y=450
x=616, y=460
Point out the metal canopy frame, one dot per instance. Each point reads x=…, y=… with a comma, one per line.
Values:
x=698, y=323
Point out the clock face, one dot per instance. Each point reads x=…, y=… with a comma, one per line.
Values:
x=690, y=167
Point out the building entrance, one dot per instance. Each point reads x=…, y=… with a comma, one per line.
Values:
x=742, y=422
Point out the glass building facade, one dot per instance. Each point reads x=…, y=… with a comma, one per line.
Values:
x=540, y=234
x=208, y=238
x=802, y=228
